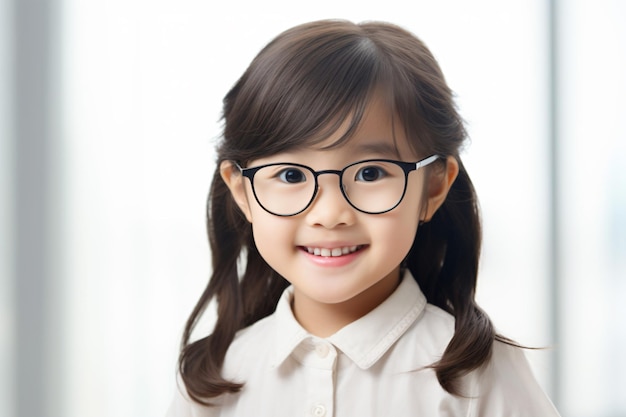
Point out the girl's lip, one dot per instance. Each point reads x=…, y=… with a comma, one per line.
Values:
x=332, y=251
x=332, y=255
x=332, y=248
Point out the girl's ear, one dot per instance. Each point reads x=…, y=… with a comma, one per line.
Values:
x=235, y=183
x=439, y=184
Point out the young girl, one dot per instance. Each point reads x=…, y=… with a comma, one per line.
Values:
x=345, y=237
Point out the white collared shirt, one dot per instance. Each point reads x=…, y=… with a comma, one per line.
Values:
x=375, y=366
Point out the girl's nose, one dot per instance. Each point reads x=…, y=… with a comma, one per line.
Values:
x=330, y=208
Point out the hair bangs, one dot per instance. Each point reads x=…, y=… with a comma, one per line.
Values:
x=300, y=89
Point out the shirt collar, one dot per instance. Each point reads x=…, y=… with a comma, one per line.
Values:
x=365, y=340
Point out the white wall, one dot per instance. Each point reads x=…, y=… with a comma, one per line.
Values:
x=6, y=231
x=593, y=223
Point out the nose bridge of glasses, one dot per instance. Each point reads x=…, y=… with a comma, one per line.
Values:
x=338, y=173
x=329, y=171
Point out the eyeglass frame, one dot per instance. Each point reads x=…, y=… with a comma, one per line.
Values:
x=407, y=167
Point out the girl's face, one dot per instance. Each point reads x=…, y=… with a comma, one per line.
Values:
x=332, y=291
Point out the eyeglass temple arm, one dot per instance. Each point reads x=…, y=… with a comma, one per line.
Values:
x=426, y=161
x=238, y=166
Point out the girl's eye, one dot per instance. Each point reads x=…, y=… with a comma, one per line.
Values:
x=292, y=175
x=370, y=173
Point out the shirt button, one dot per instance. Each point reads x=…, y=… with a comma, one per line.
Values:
x=319, y=411
x=322, y=350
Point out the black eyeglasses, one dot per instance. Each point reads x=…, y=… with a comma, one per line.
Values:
x=373, y=186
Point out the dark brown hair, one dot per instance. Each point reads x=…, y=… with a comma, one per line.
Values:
x=297, y=91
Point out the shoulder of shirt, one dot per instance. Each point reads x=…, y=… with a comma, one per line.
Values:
x=239, y=357
x=437, y=321
x=425, y=341
x=249, y=345
x=506, y=385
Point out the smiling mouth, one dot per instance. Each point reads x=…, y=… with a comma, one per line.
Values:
x=334, y=252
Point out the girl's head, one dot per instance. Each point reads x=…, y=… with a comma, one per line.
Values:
x=325, y=95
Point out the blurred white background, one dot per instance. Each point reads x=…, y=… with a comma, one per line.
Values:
x=109, y=112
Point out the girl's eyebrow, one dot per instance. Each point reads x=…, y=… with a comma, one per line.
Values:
x=378, y=148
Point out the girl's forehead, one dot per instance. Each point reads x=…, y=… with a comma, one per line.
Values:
x=364, y=143
x=379, y=131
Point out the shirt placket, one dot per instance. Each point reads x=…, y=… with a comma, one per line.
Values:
x=320, y=368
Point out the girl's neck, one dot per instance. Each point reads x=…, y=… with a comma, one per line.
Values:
x=323, y=320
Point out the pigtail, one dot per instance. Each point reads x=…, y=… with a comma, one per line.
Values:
x=444, y=260
x=200, y=362
x=240, y=302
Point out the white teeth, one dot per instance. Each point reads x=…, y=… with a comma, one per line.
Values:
x=332, y=252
